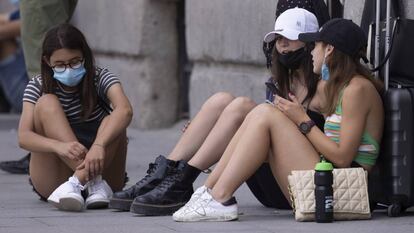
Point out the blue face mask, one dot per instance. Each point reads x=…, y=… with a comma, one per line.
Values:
x=70, y=77
x=324, y=71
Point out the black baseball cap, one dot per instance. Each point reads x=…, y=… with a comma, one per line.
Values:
x=343, y=34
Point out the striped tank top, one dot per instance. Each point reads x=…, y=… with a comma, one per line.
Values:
x=368, y=149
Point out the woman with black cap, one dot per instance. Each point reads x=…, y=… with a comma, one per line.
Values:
x=284, y=134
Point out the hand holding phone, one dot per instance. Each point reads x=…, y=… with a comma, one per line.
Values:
x=273, y=88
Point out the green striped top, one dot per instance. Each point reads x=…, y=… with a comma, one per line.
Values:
x=368, y=149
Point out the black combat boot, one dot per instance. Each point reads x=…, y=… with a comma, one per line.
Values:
x=20, y=166
x=155, y=174
x=170, y=195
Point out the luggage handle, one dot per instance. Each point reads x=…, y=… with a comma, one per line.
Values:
x=387, y=56
x=388, y=41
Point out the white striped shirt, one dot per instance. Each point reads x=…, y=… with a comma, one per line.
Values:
x=70, y=101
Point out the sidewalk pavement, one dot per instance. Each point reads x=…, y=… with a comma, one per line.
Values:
x=21, y=210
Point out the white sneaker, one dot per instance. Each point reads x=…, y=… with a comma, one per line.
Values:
x=99, y=193
x=205, y=208
x=68, y=196
x=196, y=195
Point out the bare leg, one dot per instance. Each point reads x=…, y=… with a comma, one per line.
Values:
x=48, y=170
x=265, y=127
x=218, y=170
x=222, y=132
x=115, y=159
x=200, y=127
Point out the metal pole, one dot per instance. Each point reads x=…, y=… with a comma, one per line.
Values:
x=387, y=44
x=377, y=36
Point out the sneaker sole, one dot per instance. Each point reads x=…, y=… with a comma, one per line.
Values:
x=155, y=210
x=97, y=204
x=225, y=218
x=70, y=204
x=120, y=204
x=54, y=203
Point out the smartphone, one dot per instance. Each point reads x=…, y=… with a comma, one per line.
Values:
x=273, y=88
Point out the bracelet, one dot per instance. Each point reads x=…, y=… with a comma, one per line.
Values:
x=97, y=144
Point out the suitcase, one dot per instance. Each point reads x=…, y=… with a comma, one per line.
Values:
x=396, y=160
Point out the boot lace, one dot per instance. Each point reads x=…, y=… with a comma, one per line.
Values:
x=150, y=171
x=172, y=176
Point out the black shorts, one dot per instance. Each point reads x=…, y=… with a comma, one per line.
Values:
x=265, y=188
x=86, y=132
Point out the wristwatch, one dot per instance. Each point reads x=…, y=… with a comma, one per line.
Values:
x=306, y=126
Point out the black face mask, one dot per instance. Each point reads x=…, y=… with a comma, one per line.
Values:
x=293, y=59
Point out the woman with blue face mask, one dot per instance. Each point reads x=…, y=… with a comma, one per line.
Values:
x=74, y=122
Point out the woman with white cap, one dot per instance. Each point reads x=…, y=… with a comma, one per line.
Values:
x=284, y=134
x=168, y=186
x=292, y=72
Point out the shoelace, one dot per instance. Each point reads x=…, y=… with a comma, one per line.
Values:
x=200, y=203
x=78, y=186
x=171, y=177
x=150, y=171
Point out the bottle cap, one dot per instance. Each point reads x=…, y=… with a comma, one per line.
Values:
x=324, y=166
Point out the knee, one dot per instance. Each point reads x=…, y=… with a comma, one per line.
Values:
x=239, y=108
x=218, y=102
x=265, y=113
x=47, y=103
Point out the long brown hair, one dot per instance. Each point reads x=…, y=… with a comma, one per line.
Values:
x=342, y=68
x=69, y=37
x=282, y=75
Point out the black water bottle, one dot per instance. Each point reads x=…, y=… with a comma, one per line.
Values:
x=323, y=192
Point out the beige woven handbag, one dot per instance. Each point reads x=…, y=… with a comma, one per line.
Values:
x=350, y=188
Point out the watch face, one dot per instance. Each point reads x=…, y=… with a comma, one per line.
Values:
x=304, y=127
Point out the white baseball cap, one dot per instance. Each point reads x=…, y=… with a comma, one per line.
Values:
x=291, y=23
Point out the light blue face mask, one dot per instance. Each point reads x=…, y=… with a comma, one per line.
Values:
x=324, y=70
x=70, y=77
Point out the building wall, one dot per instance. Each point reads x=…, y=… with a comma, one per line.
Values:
x=137, y=40
x=224, y=41
x=225, y=44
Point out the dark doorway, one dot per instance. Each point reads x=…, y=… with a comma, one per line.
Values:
x=184, y=65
